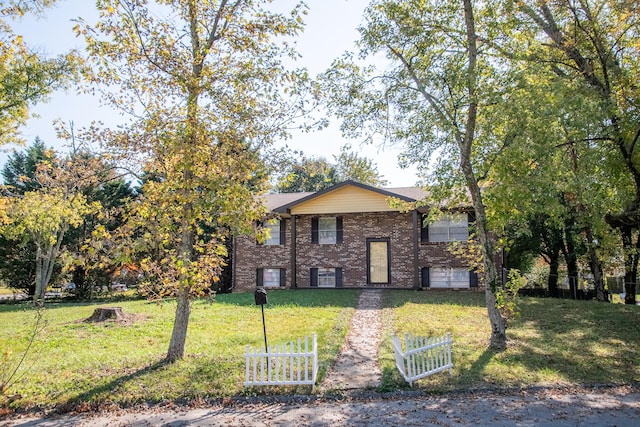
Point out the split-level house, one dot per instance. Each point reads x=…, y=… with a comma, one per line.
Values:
x=350, y=236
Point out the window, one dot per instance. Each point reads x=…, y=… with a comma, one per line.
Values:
x=273, y=226
x=271, y=277
x=275, y=232
x=448, y=228
x=326, y=277
x=326, y=230
x=449, y=277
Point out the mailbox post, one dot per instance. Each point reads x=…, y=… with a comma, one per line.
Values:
x=261, y=299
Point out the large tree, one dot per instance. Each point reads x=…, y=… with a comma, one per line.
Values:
x=42, y=215
x=294, y=173
x=550, y=184
x=19, y=174
x=429, y=100
x=204, y=84
x=26, y=76
x=593, y=46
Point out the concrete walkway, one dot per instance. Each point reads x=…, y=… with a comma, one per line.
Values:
x=356, y=366
x=558, y=408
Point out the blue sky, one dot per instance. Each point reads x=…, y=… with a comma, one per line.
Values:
x=330, y=30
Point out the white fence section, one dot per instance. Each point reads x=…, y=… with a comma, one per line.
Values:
x=423, y=356
x=286, y=364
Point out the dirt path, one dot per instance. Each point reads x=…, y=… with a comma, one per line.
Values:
x=356, y=367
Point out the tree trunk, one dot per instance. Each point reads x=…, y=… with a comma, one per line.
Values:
x=596, y=267
x=498, y=339
x=554, y=266
x=38, y=295
x=570, y=257
x=630, y=263
x=180, y=326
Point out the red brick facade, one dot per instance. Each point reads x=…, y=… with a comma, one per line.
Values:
x=407, y=255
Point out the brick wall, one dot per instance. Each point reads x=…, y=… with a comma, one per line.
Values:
x=350, y=254
x=249, y=256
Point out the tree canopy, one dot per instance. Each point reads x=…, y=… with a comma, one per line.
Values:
x=205, y=86
x=296, y=174
x=26, y=76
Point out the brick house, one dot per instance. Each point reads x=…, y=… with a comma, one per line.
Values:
x=348, y=236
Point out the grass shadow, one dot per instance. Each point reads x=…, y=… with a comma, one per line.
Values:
x=576, y=341
x=97, y=396
x=471, y=375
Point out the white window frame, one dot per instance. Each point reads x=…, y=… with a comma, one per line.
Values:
x=326, y=277
x=273, y=232
x=327, y=230
x=271, y=277
x=446, y=277
x=450, y=228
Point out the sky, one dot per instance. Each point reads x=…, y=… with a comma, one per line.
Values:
x=331, y=29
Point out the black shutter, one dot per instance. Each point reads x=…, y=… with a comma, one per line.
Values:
x=424, y=230
x=471, y=218
x=339, y=277
x=425, y=277
x=314, y=230
x=259, y=276
x=339, y=229
x=473, y=279
x=283, y=231
x=283, y=277
x=314, y=277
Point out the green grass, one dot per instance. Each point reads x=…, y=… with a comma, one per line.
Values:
x=553, y=342
x=104, y=364
x=79, y=365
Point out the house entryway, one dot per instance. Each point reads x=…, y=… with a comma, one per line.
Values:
x=378, y=262
x=356, y=366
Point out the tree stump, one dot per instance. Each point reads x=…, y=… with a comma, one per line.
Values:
x=101, y=314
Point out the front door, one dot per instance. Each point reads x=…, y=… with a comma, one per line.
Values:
x=378, y=264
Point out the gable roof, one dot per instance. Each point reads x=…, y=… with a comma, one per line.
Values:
x=284, y=202
x=275, y=200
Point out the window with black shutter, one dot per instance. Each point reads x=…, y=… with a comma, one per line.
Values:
x=326, y=230
x=271, y=277
x=326, y=277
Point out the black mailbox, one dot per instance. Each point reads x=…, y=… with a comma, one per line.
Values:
x=261, y=296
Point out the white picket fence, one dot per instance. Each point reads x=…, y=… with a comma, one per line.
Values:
x=286, y=364
x=423, y=356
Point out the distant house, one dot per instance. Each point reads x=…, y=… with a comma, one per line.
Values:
x=347, y=236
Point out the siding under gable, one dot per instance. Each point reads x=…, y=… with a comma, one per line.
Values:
x=347, y=199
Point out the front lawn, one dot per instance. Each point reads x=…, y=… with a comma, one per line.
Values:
x=85, y=366
x=100, y=364
x=553, y=342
